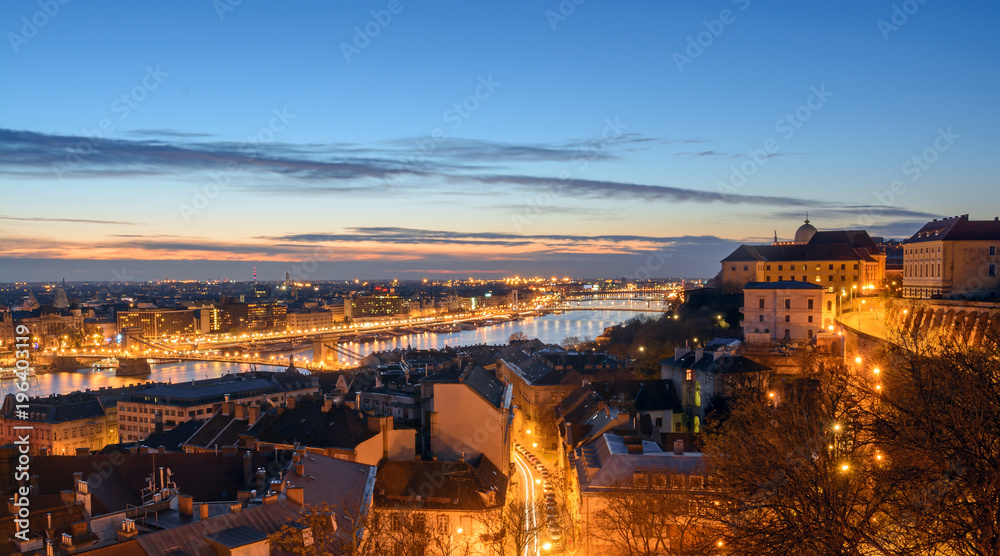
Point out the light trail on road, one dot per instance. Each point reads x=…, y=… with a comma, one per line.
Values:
x=529, y=501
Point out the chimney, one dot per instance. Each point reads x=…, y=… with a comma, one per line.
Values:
x=327, y=403
x=698, y=354
x=681, y=351
x=248, y=474
x=185, y=505
x=253, y=413
x=300, y=469
x=235, y=508
x=678, y=447
x=77, y=477
x=158, y=422
x=290, y=402
x=82, y=452
x=297, y=495
x=203, y=510
x=461, y=459
x=48, y=518
x=240, y=412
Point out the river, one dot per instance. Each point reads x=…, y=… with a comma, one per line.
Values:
x=552, y=329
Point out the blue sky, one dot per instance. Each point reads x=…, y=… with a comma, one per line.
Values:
x=488, y=138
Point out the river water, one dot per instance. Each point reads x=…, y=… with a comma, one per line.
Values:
x=552, y=329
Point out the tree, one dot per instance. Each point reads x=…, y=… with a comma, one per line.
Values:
x=517, y=337
x=938, y=424
x=508, y=531
x=897, y=453
x=648, y=514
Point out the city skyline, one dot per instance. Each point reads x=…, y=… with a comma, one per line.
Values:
x=409, y=140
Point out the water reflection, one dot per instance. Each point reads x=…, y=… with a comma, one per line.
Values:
x=551, y=328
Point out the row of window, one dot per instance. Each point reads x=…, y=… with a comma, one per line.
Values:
x=788, y=303
x=792, y=267
x=788, y=318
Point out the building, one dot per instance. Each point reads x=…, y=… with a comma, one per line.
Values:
x=786, y=311
x=248, y=317
x=618, y=461
x=60, y=424
x=953, y=256
x=703, y=373
x=308, y=319
x=322, y=426
x=401, y=405
x=467, y=416
x=439, y=504
x=155, y=323
x=49, y=323
x=842, y=260
x=196, y=400
x=374, y=307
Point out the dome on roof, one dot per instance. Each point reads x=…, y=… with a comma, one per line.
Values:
x=805, y=232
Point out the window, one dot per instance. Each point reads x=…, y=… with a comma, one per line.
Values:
x=760, y=303
x=843, y=267
x=829, y=305
x=768, y=279
x=659, y=422
x=745, y=268
x=804, y=279
x=809, y=303
x=810, y=318
x=788, y=303
x=817, y=278
x=792, y=267
x=761, y=318
x=366, y=403
x=689, y=374
x=756, y=330
x=993, y=271
x=780, y=267
x=442, y=524
x=769, y=266
x=733, y=268
x=831, y=267
x=993, y=250
x=830, y=278
x=855, y=266
x=817, y=267
x=843, y=278
x=788, y=318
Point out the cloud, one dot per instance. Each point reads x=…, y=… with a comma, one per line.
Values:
x=72, y=220
x=167, y=133
x=334, y=169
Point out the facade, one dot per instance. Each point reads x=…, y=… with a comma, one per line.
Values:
x=60, y=425
x=307, y=319
x=388, y=402
x=953, y=256
x=374, y=306
x=698, y=375
x=468, y=418
x=155, y=323
x=248, y=317
x=441, y=503
x=615, y=461
x=45, y=322
x=176, y=403
x=837, y=259
x=786, y=311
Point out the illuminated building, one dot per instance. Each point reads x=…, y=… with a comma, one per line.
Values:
x=843, y=260
x=374, y=306
x=952, y=256
x=158, y=322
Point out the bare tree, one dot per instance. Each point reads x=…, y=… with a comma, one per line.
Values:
x=651, y=514
x=517, y=337
x=510, y=530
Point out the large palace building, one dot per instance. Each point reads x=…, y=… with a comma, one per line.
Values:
x=952, y=256
x=843, y=260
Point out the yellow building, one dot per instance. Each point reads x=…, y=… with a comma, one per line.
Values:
x=952, y=256
x=59, y=425
x=842, y=260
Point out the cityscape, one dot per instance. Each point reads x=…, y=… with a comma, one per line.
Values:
x=568, y=278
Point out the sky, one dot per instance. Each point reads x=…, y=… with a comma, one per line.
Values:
x=419, y=139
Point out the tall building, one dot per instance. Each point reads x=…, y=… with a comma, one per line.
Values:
x=374, y=306
x=952, y=256
x=842, y=260
x=248, y=317
x=158, y=322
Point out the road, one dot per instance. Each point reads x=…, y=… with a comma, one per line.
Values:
x=527, y=472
